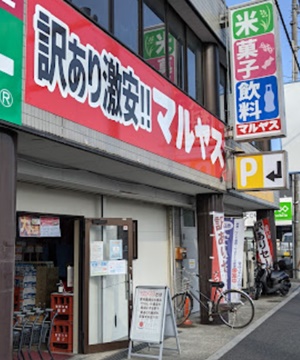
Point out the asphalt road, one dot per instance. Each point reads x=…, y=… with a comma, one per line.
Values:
x=278, y=338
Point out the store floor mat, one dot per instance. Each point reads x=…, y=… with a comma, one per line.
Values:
x=46, y=356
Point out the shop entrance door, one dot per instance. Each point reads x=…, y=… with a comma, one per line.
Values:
x=107, y=285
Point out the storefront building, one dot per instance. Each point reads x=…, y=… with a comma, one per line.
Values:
x=116, y=153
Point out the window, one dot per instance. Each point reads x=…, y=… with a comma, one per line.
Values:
x=98, y=11
x=152, y=29
x=154, y=38
x=126, y=22
x=222, y=94
x=191, y=62
x=194, y=66
x=176, y=50
x=189, y=218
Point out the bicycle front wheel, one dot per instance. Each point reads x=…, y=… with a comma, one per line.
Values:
x=182, y=305
x=235, y=308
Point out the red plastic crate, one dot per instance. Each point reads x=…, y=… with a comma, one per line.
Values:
x=63, y=304
x=62, y=332
x=57, y=347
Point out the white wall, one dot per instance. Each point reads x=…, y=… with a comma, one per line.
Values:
x=152, y=266
x=39, y=198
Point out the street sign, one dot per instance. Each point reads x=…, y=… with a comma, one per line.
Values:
x=284, y=216
x=256, y=71
x=11, y=46
x=261, y=171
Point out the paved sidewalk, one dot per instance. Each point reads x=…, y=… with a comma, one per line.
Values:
x=206, y=342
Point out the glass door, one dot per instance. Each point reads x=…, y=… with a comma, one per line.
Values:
x=107, y=284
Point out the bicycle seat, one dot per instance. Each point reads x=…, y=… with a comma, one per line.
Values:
x=217, y=284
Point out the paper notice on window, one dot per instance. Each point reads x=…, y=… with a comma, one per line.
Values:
x=108, y=267
x=96, y=251
x=97, y=267
x=115, y=249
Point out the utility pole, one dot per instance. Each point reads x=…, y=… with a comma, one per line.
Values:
x=294, y=24
x=295, y=177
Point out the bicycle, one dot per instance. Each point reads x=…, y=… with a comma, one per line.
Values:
x=234, y=307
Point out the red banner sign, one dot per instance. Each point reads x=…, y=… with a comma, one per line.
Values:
x=264, y=246
x=75, y=70
x=219, y=271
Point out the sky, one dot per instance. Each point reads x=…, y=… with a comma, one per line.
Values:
x=286, y=10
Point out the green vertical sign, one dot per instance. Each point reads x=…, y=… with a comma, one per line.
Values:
x=285, y=213
x=11, y=46
x=252, y=21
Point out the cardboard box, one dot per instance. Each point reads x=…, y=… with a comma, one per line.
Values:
x=46, y=280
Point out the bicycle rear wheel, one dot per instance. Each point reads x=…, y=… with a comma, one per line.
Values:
x=182, y=305
x=235, y=308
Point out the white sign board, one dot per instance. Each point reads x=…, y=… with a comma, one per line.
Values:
x=153, y=318
x=267, y=170
x=148, y=314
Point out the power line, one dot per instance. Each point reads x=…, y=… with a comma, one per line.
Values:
x=287, y=35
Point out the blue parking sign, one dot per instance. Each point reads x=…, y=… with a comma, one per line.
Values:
x=257, y=99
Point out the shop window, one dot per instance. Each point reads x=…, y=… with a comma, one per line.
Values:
x=126, y=22
x=95, y=9
x=154, y=32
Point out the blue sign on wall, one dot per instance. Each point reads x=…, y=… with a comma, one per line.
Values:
x=257, y=99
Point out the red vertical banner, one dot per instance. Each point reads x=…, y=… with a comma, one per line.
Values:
x=219, y=251
x=263, y=238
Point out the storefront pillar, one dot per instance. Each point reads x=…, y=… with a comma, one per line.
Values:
x=8, y=161
x=211, y=78
x=269, y=214
x=205, y=205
